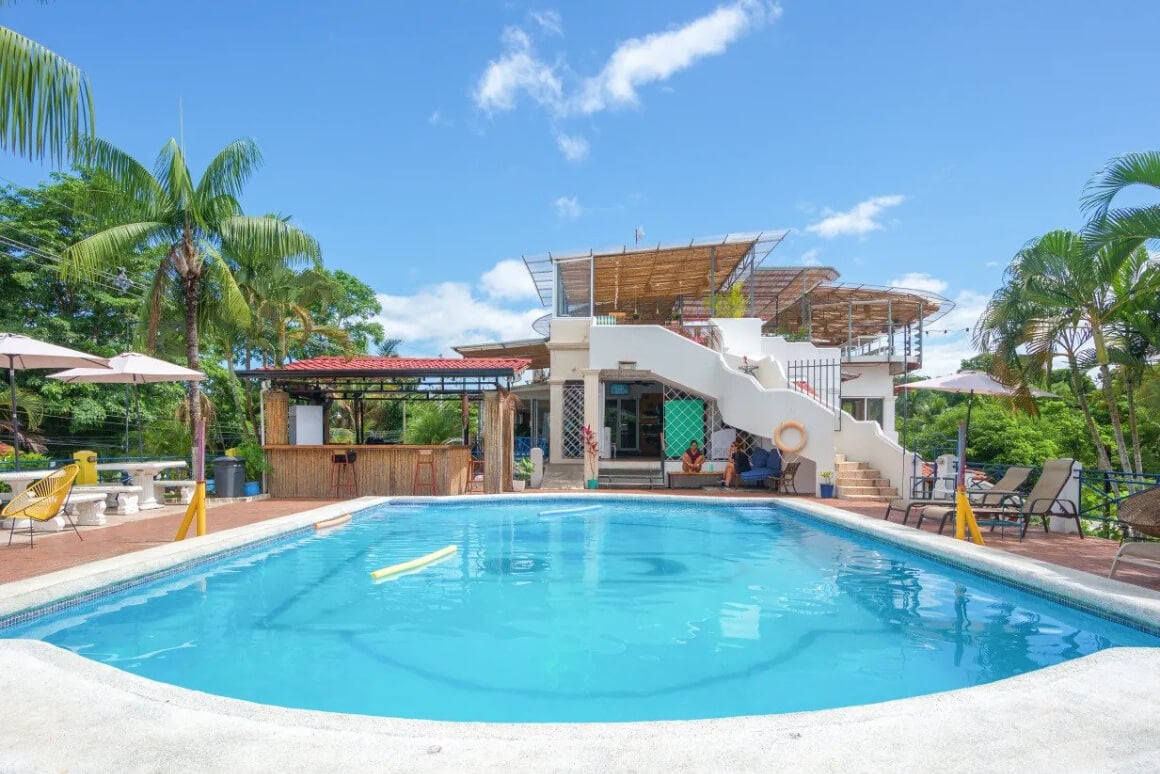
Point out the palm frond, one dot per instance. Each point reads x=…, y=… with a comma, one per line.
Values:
x=270, y=237
x=173, y=175
x=106, y=249
x=46, y=106
x=132, y=184
x=231, y=302
x=164, y=280
x=229, y=171
x=1121, y=172
x=1132, y=225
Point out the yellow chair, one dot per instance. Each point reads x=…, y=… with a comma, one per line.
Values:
x=42, y=501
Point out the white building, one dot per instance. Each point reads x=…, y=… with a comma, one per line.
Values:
x=645, y=344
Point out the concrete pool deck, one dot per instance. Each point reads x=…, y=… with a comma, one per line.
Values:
x=1092, y=714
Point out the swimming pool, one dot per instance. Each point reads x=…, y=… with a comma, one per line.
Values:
x=636, y=611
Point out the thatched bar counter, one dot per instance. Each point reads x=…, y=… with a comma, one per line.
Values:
x=305, y=471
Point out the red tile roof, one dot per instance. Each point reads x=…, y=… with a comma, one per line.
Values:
x=402, y=366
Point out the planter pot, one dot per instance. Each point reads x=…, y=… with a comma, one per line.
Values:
x=592, y=483
x=252, y=488
x=518, y=485
x=825, y=491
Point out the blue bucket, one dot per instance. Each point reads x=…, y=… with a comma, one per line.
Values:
x=252, y=488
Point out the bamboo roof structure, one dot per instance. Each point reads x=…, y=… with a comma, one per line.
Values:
x=839, y=313
x=650, y=282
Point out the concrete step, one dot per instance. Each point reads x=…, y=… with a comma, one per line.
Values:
x=842, y=481
x=863, y=474
x=848, y=467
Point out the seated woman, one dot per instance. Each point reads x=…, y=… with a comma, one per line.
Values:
x=692, y=459
x=738, y=463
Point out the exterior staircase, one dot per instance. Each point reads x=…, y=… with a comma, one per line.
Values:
x=858, y=481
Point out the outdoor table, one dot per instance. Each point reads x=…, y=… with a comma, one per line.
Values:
x=143, y=474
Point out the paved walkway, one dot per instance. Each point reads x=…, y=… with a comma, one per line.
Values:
x=124, y=534
x=149, y=528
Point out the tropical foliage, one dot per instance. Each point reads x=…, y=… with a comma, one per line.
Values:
x=1089, y=303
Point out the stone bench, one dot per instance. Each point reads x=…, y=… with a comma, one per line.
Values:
x=122, y=499
x=679, y=480
x=184, y=490
x=87, y=509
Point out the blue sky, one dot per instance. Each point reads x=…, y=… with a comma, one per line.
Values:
x=427, y=145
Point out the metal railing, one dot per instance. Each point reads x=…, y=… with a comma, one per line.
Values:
x=1102, y=490
x=820, y=380
x=524, y=446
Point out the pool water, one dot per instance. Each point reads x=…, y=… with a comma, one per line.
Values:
x=635, y=611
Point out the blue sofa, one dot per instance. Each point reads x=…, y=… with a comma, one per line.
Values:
x=763, y=464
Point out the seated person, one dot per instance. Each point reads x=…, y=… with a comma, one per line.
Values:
x=738, y=463
x=692, y=459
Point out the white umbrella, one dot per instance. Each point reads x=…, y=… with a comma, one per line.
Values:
x=25, y=353
x=132, y=368
x=970, y=383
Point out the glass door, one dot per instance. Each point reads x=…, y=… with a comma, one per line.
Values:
x=620, y=415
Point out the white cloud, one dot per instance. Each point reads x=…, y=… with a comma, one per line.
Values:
x=436, y=318
x=919, y=281
x=636, y=62
x=574, y=147
x=991, y=264
x=517, y=70
x=436, y=119
x=508, y=280
x=549, y=21
x=857, y=221
x=568, y=207
x=654, y=58
x=810, y=257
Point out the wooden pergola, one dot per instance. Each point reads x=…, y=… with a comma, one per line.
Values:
x=652, y=284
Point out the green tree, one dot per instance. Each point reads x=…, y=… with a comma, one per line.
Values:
x=433, y=422
x=1075, y=281
x=193, y=227
x=45, y=101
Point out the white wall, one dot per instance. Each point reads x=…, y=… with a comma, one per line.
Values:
x=742, y=401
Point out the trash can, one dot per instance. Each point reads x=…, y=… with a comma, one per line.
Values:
x=229, y=476
x=87, y=462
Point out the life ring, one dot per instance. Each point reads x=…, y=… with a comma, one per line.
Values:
x=790, y=425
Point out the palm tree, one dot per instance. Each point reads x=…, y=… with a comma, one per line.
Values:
x=1136, y=343
x=195, y=226
x=1025, y=338
x=45, y=104
x=1075, y=281
x=1127, y=224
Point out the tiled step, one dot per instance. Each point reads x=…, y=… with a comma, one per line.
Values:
x=849, y=467
x=859, y=475
x=873, y=491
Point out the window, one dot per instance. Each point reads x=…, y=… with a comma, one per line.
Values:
x=864, y=408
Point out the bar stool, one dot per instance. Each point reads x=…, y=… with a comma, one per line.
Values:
x=474, y=468
x=344, y=475
x=426, y=462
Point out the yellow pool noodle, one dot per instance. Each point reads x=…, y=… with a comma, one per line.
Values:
x=414, y=564
x=335, y=522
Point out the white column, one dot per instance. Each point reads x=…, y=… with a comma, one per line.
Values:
x=556, y=421
x=593, y=417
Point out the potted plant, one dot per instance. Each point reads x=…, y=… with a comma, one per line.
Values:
x=826, y=489
x=591, y=456
x=522, y=474
x=251, y=453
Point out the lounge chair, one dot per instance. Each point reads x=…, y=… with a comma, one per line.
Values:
x=1141, y=513
x=1005, y=492
x=42, y=501
x=1043, y=498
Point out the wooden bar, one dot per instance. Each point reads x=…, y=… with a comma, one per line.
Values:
x=305, y=471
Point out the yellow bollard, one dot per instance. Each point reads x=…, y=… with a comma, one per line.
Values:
x=965, y=518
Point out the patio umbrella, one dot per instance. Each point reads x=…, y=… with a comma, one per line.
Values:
x=132, y=368
x=969, y=382
x=24, y=353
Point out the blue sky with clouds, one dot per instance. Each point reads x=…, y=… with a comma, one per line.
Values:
x=428, y=144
